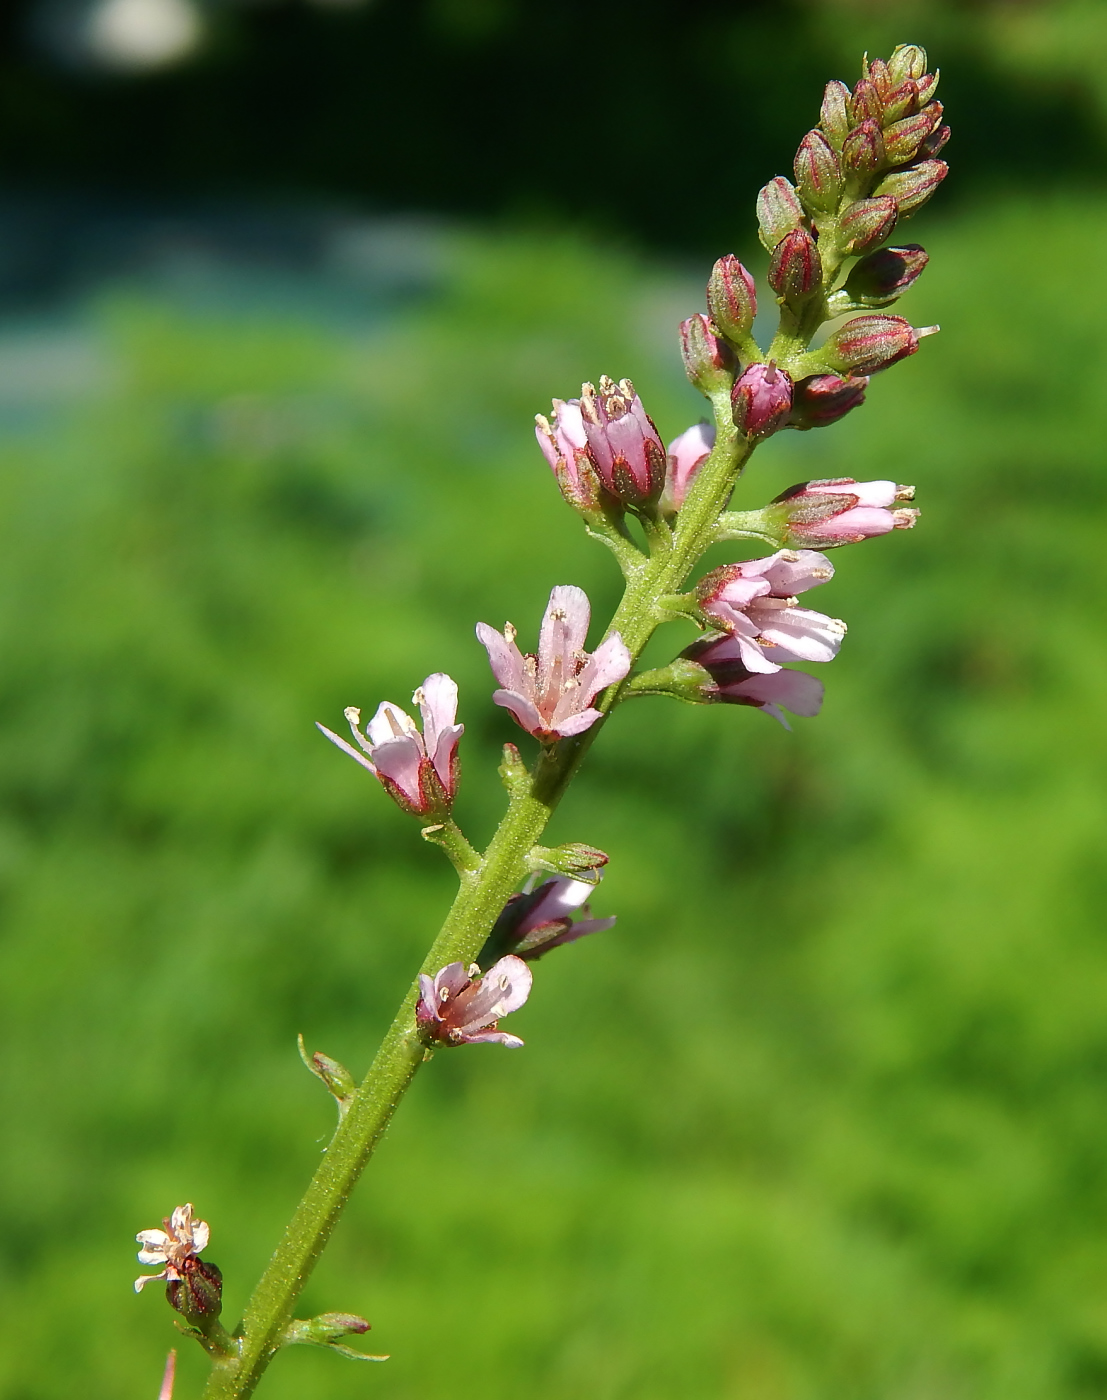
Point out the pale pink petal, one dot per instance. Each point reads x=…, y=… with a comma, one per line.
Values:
x=494, y=1037
x=607, y=665
x=504, y=657
x=443, y=756
x=570, y=425
x=799, y=634
x=546, y=441
x=858, y=523
x=426, y=1009
x=525, y=711
x=518, y=977
x=561, y=641
x=874, y=493
x=575, y=724
x=558, y=897
x=390, y=722
x=740, y=592
x=452, y=979
x=792, y=571
x=140, y=1283
x=152, y=1256
x=437, y=701
x=155, y=1239
x=795, y=690
x=201, y=1234
x=180, y=1222
x=345, y=747
x=399, y=760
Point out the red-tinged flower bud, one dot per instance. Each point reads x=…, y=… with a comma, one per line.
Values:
x=825, y=514
x=907, y=61
x=795, y=269
x=867, y=223
x=708, y=360
x=865, y=104
x=886, y=274
x=902, y=101
x=197, y=1294
x=911, y=188
x=928, y=86
x=761, y=399
x=903, y=139
x=822, y=399
x=863, y=148
x=732, y=297
x=877, y=73
x=818, y=173
x=935, y=142
x=871, y=343
x=779, y=211
x=834, y=114
x=628, y=453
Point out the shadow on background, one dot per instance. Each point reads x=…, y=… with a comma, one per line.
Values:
x=823, y=1116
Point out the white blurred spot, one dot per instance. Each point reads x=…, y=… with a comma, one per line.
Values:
x=142, y=33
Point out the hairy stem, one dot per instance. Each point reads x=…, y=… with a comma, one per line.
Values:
x=486, y=882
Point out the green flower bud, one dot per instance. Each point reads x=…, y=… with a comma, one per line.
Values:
x=903, y=139
x=732, y=296
x=885, y=275
x=796, y=270
x=779, y=211
x=865, y=104
x=834, y=114
x=907, y=61
x=911, y=188
x=867, y=223
x=863, y=148
x=818, y=173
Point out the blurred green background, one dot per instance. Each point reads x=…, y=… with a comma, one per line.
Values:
x=825, y=1116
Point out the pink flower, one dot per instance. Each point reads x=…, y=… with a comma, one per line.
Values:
x=174, y=1247
x=625, y=445
x=844, y=511
x=550, y=694
x=761, y=399
x=687, y=454
x=565, y=446
x=732, y=683
x=539, y=920
x=463, y=1008
x=419, y=771
x=754, y=602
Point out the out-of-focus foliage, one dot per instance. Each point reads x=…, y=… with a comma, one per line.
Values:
x=823, y=1117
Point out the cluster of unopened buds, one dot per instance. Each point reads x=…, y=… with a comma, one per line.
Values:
x=870, y=163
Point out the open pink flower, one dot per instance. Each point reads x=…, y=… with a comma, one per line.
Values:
x=733, y=684
x=754, y=601
x=687, y=455
x=539, y=920
x=844, y=511
x=463, y=1008
x=419, y=771
x=550, y=694
x=173, y=1247
x=564, y=444
x=626, y=449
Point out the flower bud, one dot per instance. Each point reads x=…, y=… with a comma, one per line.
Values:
x=329, y=1330
x=911, y=188
x=687, y=453
x=708, y=359
x=928, y=86
x=825, y=514
x=197, y=1294
x=818, y=173
x=778, y=211
x=907, y=61
x=822, y=399
x=336, y=1077
x=903, y=139
x=935, y=142
x=867, y=223
x=834, y=114
x=732, y=297
x=865, y=104
x=795, y=269
x=761, y=399
x=863, y=148
x=880, y=278
x=628, y=453
x=871, y=343
x=876, y=70
x=902, y=101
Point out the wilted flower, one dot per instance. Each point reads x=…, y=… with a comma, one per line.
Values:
x=419, y=771
x=687, y=454
x=732, y=683
x=843, y=511
x=173, y=1247
x=550, y=694
x=463, y=1008
x=538, y=920
x=626, y=449
x=754, y=602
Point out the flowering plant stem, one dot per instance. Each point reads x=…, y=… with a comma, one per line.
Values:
x=486, y=883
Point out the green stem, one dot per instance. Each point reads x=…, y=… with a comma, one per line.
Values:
x=486, y=883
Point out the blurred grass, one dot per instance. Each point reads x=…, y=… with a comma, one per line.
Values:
x=824, y=1115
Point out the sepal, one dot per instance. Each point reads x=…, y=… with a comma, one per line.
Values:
x=340, y=1083
x=327, y=1330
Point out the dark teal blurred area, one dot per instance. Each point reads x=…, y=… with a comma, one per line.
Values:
x=823, y=1116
